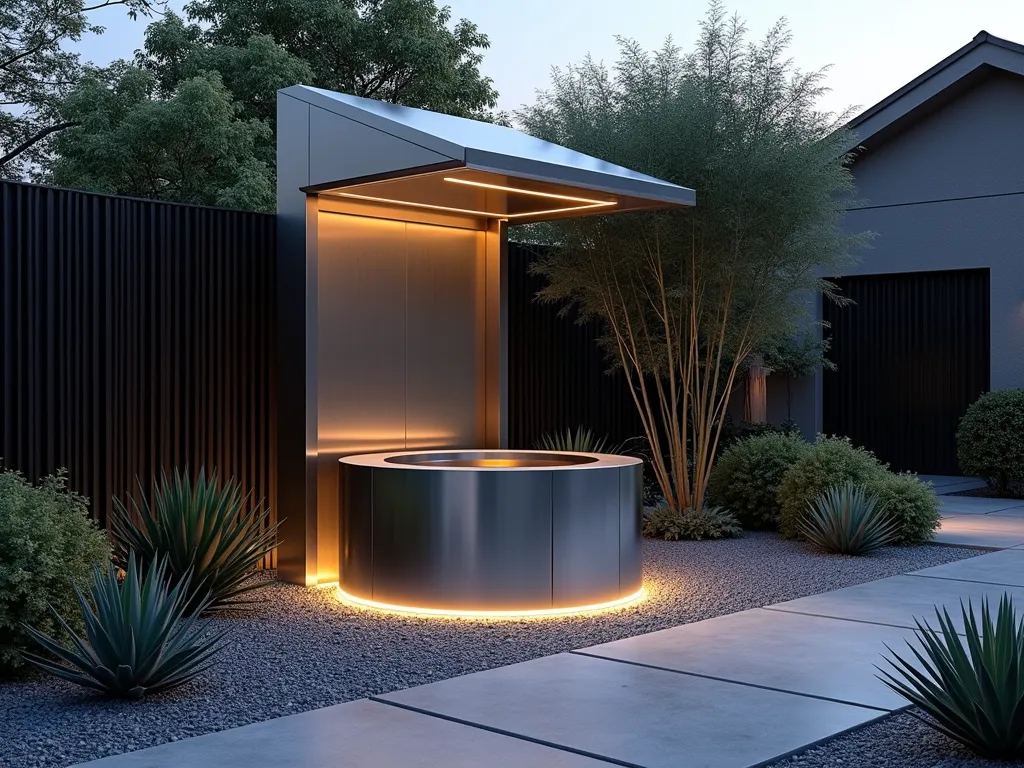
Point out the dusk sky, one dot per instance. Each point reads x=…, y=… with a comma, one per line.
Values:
x=874, y=46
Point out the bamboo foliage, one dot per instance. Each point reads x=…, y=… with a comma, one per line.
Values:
x=688, y=296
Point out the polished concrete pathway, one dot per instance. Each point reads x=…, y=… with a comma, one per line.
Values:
x=979, y=522
x=733, y=692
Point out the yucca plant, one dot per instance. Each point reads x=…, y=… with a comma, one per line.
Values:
x=847, y=521
x=137, y=638
x=205, y=529
x=972, y=687
x=580, y=441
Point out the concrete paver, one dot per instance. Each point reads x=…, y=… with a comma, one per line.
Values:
x=788, y=651
x=1004, y=568
x=972, y=505
x=898, y=600
x=359, y=734
x=637, y=715
x=990, y=531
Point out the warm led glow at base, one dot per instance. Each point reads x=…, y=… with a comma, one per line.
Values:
x=539, y=613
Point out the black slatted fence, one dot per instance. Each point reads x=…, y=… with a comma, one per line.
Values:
x=557, y=372
x=134, y=336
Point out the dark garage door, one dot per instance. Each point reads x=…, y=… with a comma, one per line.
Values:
x=912, y=354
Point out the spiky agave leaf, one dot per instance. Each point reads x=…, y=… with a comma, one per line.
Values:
x=204, y=528
x=847, y=521
x=582, y=441
x=138, y=639
x=972, y=687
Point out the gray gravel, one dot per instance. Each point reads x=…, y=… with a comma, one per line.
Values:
x=899, y=741
x=302, y=649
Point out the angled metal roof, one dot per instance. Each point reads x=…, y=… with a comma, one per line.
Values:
x=440, y=138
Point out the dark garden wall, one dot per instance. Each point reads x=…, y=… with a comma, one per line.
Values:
x=558, y=376
x=134, y=336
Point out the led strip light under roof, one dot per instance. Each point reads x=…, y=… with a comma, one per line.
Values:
x=455, y=613
x=550, y=195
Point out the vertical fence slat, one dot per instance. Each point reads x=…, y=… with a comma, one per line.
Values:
x=135, y=336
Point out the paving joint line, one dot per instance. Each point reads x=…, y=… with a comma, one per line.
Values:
x=736, y=682
x=967, y=581
x=835, y=618
x=512, y=734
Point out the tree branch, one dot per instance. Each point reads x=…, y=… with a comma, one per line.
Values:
x=34, y=139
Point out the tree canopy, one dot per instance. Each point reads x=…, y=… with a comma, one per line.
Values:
x=192, y=147
x=217, y=71
x=36, y=72
x=687, y=296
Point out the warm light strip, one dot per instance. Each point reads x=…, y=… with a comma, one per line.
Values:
x=360, y=602
x=433, y=207
x=521, y=191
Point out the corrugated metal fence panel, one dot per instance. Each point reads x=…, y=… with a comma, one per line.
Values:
x=134, y=336
x=557, y=373
x=912, y=354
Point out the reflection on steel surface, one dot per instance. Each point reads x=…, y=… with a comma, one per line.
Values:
x=479, y=532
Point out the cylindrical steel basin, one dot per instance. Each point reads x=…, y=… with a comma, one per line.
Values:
x=482, y=531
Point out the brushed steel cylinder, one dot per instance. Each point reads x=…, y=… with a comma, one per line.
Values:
x=490, y=530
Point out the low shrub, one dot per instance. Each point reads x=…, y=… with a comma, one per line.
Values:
x=746, y=477
x=48, y=546
x=990, y=440
x=972, y=687
x=910, y=503
x=663, y=522
x=830, y=462
x=732, y=432
x=137, y=638
x=212, y=536
x=847, y=521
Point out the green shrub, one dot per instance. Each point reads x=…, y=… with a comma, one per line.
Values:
x=663, y=522
x=972, y=687
x=205, y=530
x=910, y=503
x=582, y=441
x=990, y=440
x=847, y=521
x=746, y=477
x=48, y=545
x=830, y=462
x=137, y=639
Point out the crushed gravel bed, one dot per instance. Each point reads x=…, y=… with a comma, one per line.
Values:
x=899, y=741
x=302, y=649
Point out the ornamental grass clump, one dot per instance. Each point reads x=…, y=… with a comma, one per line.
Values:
x=580, y=441
x=847, y=521
x=972, y=687
x=212, y=537
x=48, y=547
x=138, y=639
x=664, y=522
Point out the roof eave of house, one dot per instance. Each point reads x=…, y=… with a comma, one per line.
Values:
x=985, y=50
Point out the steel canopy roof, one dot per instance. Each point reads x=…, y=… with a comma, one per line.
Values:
x=399, y=142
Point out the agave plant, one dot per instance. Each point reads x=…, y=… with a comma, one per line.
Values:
x=582, y=441
x=137, y=638
x=847, y=521
x=206, y=530
x=972, y=687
